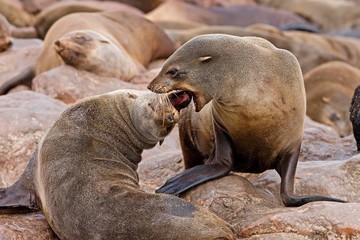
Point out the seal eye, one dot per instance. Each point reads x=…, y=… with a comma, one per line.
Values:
x=172, y=72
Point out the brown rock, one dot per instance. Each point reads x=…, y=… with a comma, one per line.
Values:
x=232, y=198
x=24, y=117
x=27, y=226
x=69, y=85
x=321, y=142
x=22, y=54
x=317, y=220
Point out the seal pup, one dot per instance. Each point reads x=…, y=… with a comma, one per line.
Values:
x=83, y=173
x=249, y=101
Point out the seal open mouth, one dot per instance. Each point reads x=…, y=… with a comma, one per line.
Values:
x=180, y=99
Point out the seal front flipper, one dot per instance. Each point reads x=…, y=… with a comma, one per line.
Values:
x=192, y=177
x=286, y=169
x=21, y=197
x=219, y=164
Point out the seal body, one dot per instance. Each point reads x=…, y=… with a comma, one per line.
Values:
x=248, y=113
x=84, y=178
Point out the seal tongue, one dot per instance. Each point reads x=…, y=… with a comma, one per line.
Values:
x=180, y=99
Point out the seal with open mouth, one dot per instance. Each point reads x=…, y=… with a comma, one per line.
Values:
x=83, y=174
x=249, y=111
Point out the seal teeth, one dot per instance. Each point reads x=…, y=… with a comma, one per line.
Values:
x=180, y=99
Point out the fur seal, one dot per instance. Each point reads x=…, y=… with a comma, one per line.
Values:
x=110, y=25
x=329, y=90
x=249, y=101
x=83, y=173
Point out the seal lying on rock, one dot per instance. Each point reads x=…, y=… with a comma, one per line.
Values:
x=83, y=174
x=249, y=110
x=144, y=42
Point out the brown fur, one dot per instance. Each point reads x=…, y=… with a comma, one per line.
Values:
x=86, y=180
x=249, y=110
x=329, y=90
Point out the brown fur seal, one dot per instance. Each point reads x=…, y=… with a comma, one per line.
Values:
x=83, y=175
x=5, y=34
x=112, y=25
x=329, y=90
x=249, y=110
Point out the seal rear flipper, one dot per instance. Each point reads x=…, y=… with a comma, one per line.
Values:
x=192, y=177
x=286, y=169
x=25, y=78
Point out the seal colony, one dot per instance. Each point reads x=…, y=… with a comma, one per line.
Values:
x=83, y=173
x=250, y=104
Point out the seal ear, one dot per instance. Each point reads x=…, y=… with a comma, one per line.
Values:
x=132, y=95
x=205, y=58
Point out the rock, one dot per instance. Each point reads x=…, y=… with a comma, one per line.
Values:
x=318, y=220
x=69, y=85
x=321, y=142
x=28, y=226
x=22, y=54
x=24, y=118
